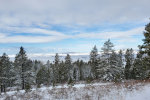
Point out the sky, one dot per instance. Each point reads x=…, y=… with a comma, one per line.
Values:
x=61, y=26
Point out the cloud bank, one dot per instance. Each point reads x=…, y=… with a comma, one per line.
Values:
x=75, y=12
x=44, y=21
x=53, y=36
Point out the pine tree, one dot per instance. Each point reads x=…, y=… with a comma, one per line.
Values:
x=113, y=59
x=6, y=72
x=94, y=61
x=109, y=67
x=30, y=75
x=116, y=70
x=49, y=71
x=57, y=60
x=107, y=50
x=36, y=66
x=56, y=69
x=23, y=69
x=145, y=50
x=68, y=61
x=104, y=62
x=68, y=67
x=48, y=64
x=42, y=76
x=129, y=58
x=138, y=71
x=146, y=45
x=120, y=59
x=107, y=47
x=80, y=65
x=63, y=72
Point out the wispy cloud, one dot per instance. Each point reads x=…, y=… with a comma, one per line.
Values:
x=112, y=34
x=34, y=30
x=34, y=21
x=72, y=12
x=56, y=36
x=30, y=39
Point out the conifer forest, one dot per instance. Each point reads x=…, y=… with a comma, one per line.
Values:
x=74, y=50
x=105, y=64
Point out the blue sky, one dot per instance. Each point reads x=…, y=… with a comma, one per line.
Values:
x=48, y=26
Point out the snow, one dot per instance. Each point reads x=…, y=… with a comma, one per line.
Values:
x=143, y=94
x=95, y=91
x=74, y=86
x=86, y=85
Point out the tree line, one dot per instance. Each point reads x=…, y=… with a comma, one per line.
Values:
x=109, y=65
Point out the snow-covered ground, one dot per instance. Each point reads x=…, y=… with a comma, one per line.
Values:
x=97, y=91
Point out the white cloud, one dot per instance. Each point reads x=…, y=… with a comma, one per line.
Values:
x=70, y=12
x=56, y=36
x=21, y=16
x=112, y=34
x=31, y=39
x=2, y=35
x=34, y=31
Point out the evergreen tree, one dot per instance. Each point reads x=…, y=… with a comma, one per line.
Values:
x=104, y=60
x=80, y=65
x=56, y=69
x=116, y=70
x=108, y=68
x=145, y=50
x=138, y=71
x=68, y=66
x=63, y=72
x=129, y=58
x=120, y=59
x=68, y=61
x=57, y=60
x=146, y=45
x=107, y=50
x=6, y=72
x=23, y=69
x=94, y=61
x=48, y=64
x=42, y=76
x=107, y=47
x=36, y=66
x=30, y=75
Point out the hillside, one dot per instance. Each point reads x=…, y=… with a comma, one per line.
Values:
x=131, y=90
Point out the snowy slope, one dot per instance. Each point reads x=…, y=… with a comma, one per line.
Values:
x=96, y=91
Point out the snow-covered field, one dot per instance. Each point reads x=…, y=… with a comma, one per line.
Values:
x=132, y=90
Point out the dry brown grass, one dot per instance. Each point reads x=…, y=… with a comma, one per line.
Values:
x=88, y=92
